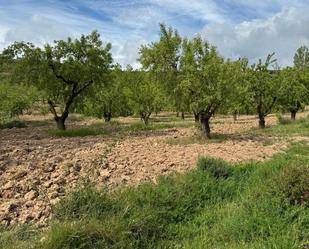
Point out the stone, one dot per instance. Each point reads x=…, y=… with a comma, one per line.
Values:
x=50, y=168
x=54, y=195
x=48, y=184
x=29, y=204
x=31, y=195
x=104, y=174
x=20, y=175
x=54, y=201
x=8, y=185
x=77, y=167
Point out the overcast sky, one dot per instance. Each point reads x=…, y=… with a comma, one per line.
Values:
x=250, y=28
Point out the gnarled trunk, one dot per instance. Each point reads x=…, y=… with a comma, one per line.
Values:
x=196, y=117
x=205, y=124
x=145, y=117
x=261, y=121
x=107, y=116
x=294, y=110
x=60, y=121
x=60, y=124
x=235, y=116
x=263, y=111
x=182, y=115
x=293, y=115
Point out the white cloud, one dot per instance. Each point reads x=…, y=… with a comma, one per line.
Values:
x=282, y=33
x=128, y=53
x=127, y=24
x=38, y=30
x=208, y=10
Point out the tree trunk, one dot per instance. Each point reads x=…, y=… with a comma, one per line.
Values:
x=177, y=114
x=196, y=117
x=146, y=121
x=60, y=121
x=145, y=117
x=293, y=115
x=107, y=116
x=182, y=115
x=235, y=116
x=206, y=126
x=261, y=121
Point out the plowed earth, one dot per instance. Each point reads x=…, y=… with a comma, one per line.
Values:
x=37, y=170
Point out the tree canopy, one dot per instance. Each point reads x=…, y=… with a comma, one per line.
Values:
x=176, y=74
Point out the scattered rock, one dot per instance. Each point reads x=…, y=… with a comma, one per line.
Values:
x=31, y=195
x=54, y=195
x=54, y=201
x=47, y=184
x=8, y=185
x=104, y=174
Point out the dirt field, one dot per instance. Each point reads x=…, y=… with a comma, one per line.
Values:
x=37, y=170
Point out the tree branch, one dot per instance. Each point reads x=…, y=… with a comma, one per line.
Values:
x=52, y=108
x=271, y=106
x=60, y=77
x=87, y=84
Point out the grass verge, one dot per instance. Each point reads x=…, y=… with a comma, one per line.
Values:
x=291, y=128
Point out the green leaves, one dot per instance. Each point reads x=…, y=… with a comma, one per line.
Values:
x=208, y=81
x=144, y=93
x=14, y=99
x=301, y=58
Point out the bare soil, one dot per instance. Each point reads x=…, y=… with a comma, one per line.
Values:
x=37, y=170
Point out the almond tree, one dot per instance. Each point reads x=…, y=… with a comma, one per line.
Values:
x=162, y=59
x=293, y=93
x=65, y=70
x=106, y=99
x=207, y=80
x=301, y=58
x=263, y=87
x=143, y=93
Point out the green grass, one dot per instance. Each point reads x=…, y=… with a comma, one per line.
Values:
x=117, y=128
x=198, y=138
x=217, y=205
x=295, y=128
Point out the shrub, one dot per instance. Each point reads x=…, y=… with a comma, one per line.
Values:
x=85, y=203
x=283, y=121
x=215, y=167
x=294, y=182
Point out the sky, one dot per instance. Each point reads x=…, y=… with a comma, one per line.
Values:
x=238, y=28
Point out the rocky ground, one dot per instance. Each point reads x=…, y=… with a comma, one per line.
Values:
x=37, y=170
